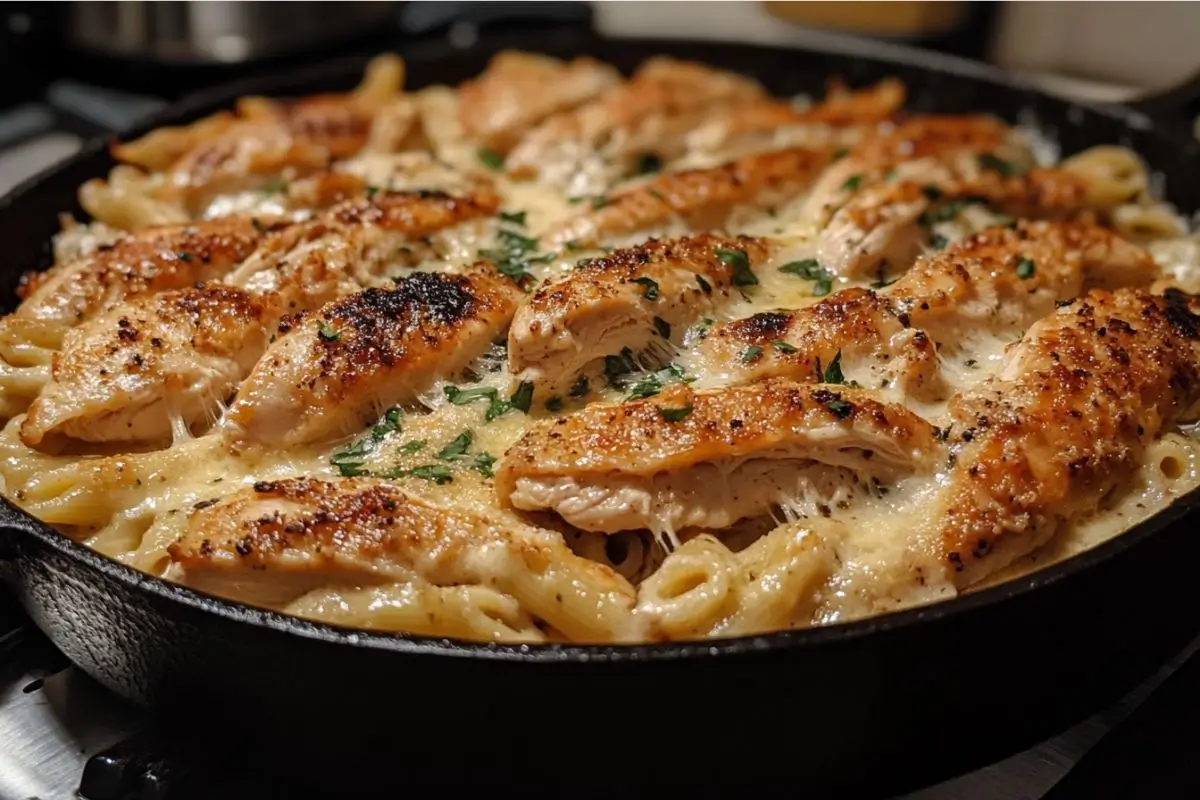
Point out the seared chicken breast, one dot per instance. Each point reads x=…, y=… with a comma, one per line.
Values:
x=150, y=368
x=652, y=112
x=519, y=90
x=993, y=283
x=1065, y=423
x=637, y=298
x=271, y=543
x=336, y=369
x=686, y=458
x=698, y=199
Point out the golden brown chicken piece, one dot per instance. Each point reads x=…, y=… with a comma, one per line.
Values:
x=145, y=262
x=519, y=90
x=339, y=367
x=1066, y=421
x=150, y=368
x=637, y=298
x=269, y=544
x=686, y=458
x=227, y=153
x=650, y=113
x=890, y=223
x=995, y=282
x=700, y=199
x=841, y=120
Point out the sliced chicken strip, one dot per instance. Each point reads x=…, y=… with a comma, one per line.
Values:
x=338, y=368
x=519, y=90
x=996, y=282
x=890, y=223
x=150, y=368
x=689, y=458
x=271, y=543
x=633, y=298
x=652, y=112
x=701, y=198
x=841, y=120
x=1067, y=421
x=913, y=147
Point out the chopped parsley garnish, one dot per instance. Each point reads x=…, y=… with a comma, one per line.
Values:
x=184, y=255
x=649, y=162
x=580, y=387
x=514, y=257
x=517, y=242
x=705, y=286
x=522, y=398
x=515, y=217
x=573, y=245
x=616, y=367
x=852, y=183
x=662, y=327
x=700, y=329
x=833, y=372
x=349, y=460
x=483, y=464
x=656, y=381
x=674, y=414
x=949, y=211
x=811, y=270
x=1006, y=168
x=751, y=354
x=490, y=159
x=389, y=424
x=275, y=186
x=839, y=408
x=554, y=405
x=327, y=332
x=783, y=346
x=840, y=153
x=599, y=201
x=437, y=473
x=461, y=397
x=415, y=446
x=938, y=242
x=1025, y=268
x=258, y=225
x=457, y=448
x=738, y=261
x=372, y=191
x=651, y=290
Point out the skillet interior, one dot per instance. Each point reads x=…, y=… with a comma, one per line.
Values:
x=151, y=640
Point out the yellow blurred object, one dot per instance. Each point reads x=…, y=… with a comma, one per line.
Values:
x=900, y=19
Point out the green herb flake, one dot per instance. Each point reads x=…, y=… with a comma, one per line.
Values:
x=617, y=366
x=651, y=288
x=701, y=328
x=751, y=354
x=656, y=381
x=739, y=262
x=783, y=346
x=662, y=327
x=840, y=153
x=839, y=408
x=372, y=191
x=1006, y=168
x=490, y=159
x=648, y=163
x=833, y=372
x=580, y=387
x=522, y=398
x=599, y=201
x=389, y=424
x=496, y=406
x=573, y=245
x=852, y=183
x=515, y=217
x=483, y=464
x=705, y=286
x=1025, y=268
x=327, y=332
x=674, y=414
x=811, y=270
x=414, y=446
x=457, y=448
x=938, y=242
x=184, y=255
x=275, y=186
x=437, y=473
x=258, y=225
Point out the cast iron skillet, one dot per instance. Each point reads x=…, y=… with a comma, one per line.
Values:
x=879, y=705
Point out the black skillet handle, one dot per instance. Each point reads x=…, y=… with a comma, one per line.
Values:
x=1176, y=107
x=462, y=22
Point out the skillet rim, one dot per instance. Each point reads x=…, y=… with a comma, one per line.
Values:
x=883, y=56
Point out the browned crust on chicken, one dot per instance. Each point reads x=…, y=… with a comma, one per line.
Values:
x=931, y=135
x=702, y=198
x=1084, y=393
x=147, y=261
x=361, y=530
x=639, y=439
